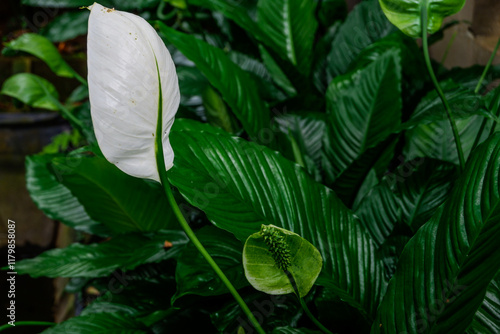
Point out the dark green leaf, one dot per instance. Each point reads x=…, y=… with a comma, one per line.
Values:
x=364, y=109
x=446, y=268
x=308, y=131
x=67, y=26
x=291, y=26
x=236, y=87
x=104, y=323
x=436, y=140
x=278, y=76
x=364, y=25
x=119, y=201
x=259, y=74
x=463, y=102
x=487, y=317
x=423, y=191
x=55, y=199
x=271, y=311
x=241, y=185
x=195, y=276
x=240, y=13
x=123, y=252
x=291, y=330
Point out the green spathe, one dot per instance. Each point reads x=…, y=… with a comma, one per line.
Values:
x=263, y=272
x=405, y=14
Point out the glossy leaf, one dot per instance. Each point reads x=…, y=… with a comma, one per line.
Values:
x=445, y=269
x=307, y=130
x=32, y=90
x=424, y=190
x=364, y=108
x=365, y=24
x=55, y=199
x=195, y=276
x=236, y=87
x=265, y=274
x=66, y=26
x=123, y=252
x=42, y=48
x=291, y=26
x=241, y=185
x=435, y=140
x=238, y=12
x=128, y=96
x=405, y=14
x=121, y=202
x=463, y=102
x=278, y=76
x=487, y=317
x=410, y=195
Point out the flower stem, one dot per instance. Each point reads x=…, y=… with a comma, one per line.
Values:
x=488, y=65
x=162, y=172
x=189, y=232
x=423, y=18
x=493, y=102
x=27, y=323
x=304, y=305
x=312, y=317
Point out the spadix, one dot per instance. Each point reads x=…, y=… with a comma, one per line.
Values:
x=128, y=65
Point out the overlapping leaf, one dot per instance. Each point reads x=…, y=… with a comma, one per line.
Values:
x=445, y=269
x=364, y=25
x=121, y=202
x=234, y=84
x=123, y=252
x=195, y=276
x=291, y=25
x=364, y=108
x=241, y=185
x=55, y=199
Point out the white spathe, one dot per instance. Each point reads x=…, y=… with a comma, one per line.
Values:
x=123, y=53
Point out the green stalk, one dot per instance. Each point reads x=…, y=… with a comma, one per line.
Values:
x=27, y=323
x=448, y=47
x=189, y=232
x=304, y=305
x=311, y=316
x=160, y=163
x=488, y=65
x=69, y=116
x=423, y=18
x=493, y=102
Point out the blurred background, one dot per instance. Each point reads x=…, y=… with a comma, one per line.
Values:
x=470, y=38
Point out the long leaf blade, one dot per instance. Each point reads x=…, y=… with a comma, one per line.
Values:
x=447, y=266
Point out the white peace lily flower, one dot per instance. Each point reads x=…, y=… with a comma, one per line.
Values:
x=128, y=64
